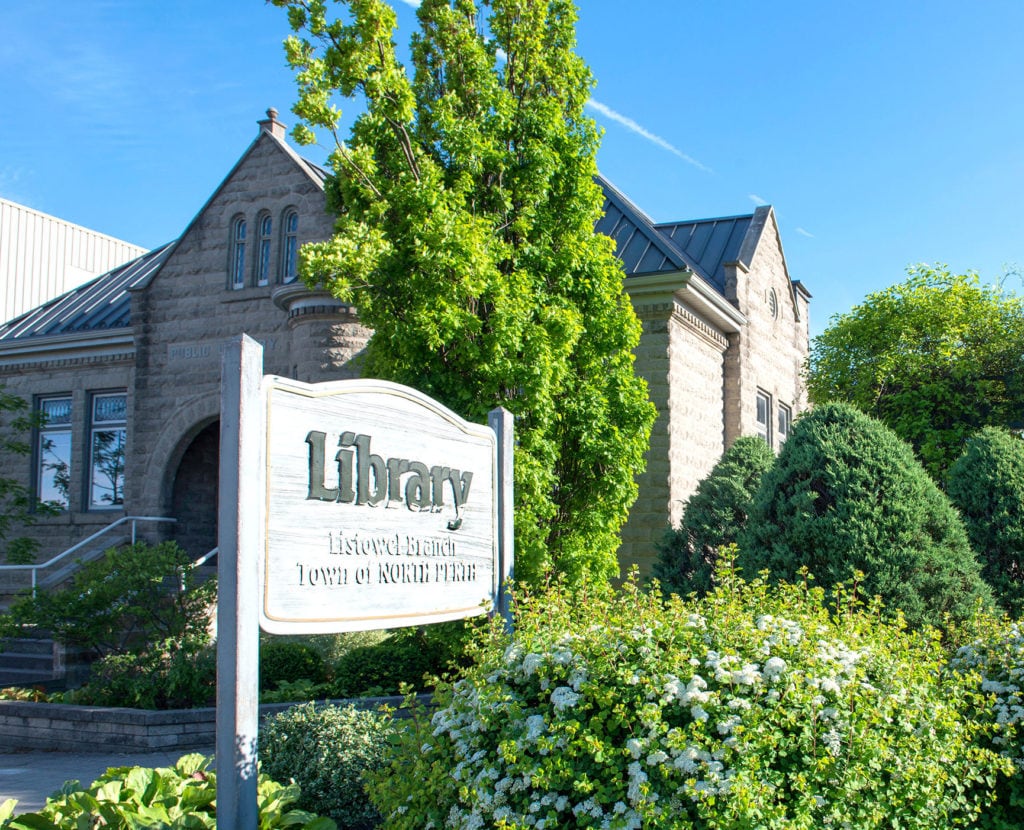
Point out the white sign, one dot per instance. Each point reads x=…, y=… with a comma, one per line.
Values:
x=380, y=509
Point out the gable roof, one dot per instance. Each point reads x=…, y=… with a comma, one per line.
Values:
x=703, y=246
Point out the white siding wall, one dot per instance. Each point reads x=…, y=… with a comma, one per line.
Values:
x=41, y=257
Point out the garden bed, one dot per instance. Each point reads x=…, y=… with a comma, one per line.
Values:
x=62, y=726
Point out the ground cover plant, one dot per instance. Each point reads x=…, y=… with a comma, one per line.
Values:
x=751, y=707
x=182, y=796
x=847, y=494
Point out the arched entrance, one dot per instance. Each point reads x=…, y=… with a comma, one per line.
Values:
x=194, y=494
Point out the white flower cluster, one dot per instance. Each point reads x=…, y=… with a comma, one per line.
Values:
x=1001, y=665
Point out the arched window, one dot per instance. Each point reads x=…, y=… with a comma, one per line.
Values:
x=264, y=226
x=290, y=246
x=238, y=252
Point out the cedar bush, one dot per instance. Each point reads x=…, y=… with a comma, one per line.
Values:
x=288, y=661
x=325, y=750
x=987, y=485
x=750, y=707
x=847, y=495
x=713, y=517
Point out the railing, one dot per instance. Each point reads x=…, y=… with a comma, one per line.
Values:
x=34, y=569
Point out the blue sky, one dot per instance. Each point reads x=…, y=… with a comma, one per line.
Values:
x=884, y=133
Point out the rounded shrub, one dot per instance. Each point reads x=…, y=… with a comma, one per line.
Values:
x=288, y=661
x=846, y=495
x=713, y=517
x=750, y=707
x=987, y=486
x=325, y=750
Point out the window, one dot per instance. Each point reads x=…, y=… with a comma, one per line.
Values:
x=107, y=443
x=785, y=422
x=290, y=248
x=764, y=416
x=53, y=451
x=264, y=225
x=238, y=253
x=773, y=303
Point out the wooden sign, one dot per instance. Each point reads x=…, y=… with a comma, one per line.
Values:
x=380, y=509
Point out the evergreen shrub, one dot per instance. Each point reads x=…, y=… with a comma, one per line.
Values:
x=713, y=517
x=846, y=494
x=325, y=749
x=750, y=707
x=987, y=486
x=286, y=661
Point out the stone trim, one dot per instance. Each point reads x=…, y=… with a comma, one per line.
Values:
x=65, y=363
x=693, y=323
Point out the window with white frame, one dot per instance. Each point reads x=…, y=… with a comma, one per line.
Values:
x=764, y=416
x=108, y=431
x=264, y=227
x=290, y=246
x=785, y=422
x=53, y=451
x=238, y=230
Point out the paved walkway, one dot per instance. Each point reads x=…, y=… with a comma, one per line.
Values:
x=33, y=775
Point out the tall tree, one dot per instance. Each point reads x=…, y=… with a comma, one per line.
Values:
x=466, y=201
x=934, y=358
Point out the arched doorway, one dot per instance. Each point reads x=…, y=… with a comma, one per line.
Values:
x=194, y=494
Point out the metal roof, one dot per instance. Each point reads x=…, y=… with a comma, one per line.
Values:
x=101, y=304
x=702, y=246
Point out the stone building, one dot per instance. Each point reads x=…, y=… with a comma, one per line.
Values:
x=126, y=368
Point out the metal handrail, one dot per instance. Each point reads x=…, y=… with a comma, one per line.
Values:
x=89, y=539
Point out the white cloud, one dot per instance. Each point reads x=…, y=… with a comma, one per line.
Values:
x=641, y=131
x=414, y=3
x=757, y=200
x=802, y=232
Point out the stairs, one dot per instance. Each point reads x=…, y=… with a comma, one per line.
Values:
x=30, y=662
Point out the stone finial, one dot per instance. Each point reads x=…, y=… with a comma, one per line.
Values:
x=271, y=125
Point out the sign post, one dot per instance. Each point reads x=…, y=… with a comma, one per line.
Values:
x=344, y=506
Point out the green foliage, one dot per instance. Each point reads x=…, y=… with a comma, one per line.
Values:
x=935, y=358
x=466, y=202
x=994, y=660
x=289, y=661
x=410, y=656
x=174, y=674
x=122, y=602
x=183, y=796
x=987, y=486
x=713, y=517
x=18, y=507
x=326, y=750
x=847, y=495
x=750, y=707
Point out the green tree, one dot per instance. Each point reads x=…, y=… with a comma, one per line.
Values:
x=713, y=517
x=466, y=201
x=847, y=495
x=935, y=358
x=18, y=506
x=987, y=486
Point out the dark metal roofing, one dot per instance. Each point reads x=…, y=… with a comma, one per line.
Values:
x=702, y=246
x=710, y=243
x=99, y=305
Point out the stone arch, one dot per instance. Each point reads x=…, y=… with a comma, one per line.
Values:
x=194, y=490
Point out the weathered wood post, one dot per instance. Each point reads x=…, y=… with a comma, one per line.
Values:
x=238, y=539
x=502, y=422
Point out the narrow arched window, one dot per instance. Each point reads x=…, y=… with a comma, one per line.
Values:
x=290, y=246
x=238, y=252
x=264, y=226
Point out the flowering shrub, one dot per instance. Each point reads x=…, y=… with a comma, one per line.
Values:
x=996, y=657
x=751, y=707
